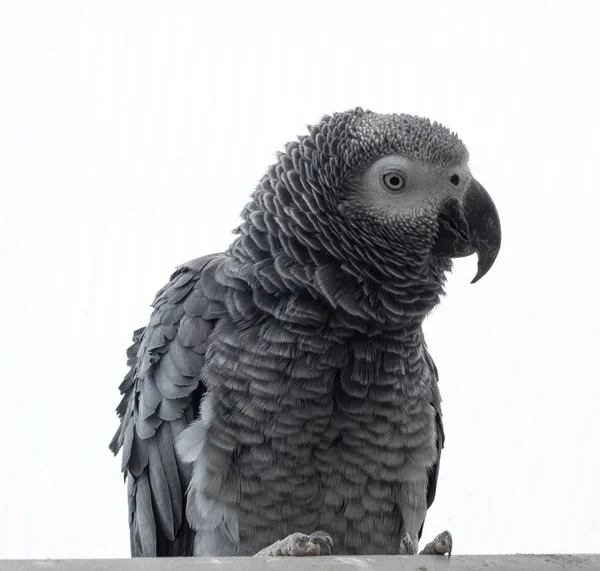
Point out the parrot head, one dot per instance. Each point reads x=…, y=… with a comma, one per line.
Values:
x=400, y=184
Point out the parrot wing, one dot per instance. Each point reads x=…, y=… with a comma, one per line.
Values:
x=161, y=394
x=436, y=403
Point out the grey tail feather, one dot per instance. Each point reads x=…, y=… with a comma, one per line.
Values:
x=146, y=538
x=142, y=527
x=181, y=546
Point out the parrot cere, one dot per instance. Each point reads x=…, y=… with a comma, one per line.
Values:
x=282, y=399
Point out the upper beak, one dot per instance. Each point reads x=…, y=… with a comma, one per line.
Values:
x=470, y=226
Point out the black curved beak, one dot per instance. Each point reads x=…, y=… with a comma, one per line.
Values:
x=470, y=226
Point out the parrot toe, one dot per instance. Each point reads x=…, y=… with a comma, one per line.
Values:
x=441, y=545
x=299, y=545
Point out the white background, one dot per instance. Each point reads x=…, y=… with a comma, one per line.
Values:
x=132, y=133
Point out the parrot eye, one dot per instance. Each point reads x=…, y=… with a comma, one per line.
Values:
x=454, y=179
x=394, y=181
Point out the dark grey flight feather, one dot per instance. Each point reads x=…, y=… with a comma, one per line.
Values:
x=285, y=385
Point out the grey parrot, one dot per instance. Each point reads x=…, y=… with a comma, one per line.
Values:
x=282, y=399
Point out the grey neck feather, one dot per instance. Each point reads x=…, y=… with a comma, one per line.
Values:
x=294, y=236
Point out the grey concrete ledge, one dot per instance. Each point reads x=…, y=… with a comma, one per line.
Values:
x=334, y=563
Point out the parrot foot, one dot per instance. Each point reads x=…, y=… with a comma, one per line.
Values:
x=407, y=546
x=441, y=545
x=299, y=545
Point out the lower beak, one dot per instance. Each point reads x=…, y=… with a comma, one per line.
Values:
x=468, y=227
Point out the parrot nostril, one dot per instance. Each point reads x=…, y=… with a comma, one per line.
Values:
x=454, y=179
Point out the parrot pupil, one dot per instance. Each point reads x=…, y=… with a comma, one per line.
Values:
x=454, y=179
x=393, y=181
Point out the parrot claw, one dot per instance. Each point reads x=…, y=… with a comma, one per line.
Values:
x=441, y=545
x=299, y=545
x=324, y=540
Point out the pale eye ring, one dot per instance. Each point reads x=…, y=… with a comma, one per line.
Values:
x=394, y=181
